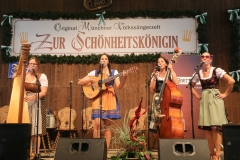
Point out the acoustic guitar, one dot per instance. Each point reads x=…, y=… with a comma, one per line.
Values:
x=91, y=90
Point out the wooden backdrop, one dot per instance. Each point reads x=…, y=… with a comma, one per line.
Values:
x=59, y=76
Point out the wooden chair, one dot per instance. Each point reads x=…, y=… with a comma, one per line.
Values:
x=65, y=124
x=88, y=123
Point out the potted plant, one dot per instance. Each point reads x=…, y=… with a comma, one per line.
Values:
x=130, y=145
x=136, y=148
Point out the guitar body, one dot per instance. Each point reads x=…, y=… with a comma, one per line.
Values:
x=91, y=90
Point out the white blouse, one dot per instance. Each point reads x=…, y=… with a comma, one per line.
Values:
x=160, y=78
x=219, y=73
x=43, y=80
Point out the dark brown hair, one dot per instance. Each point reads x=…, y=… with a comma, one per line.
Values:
x=109, y=66
x=165, y=59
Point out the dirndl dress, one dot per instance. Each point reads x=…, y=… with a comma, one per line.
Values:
x=110, y=104
x=34, y=117
x=212, y=111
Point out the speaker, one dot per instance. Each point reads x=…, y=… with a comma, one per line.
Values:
x=15, y=141
x=79, y=148
x=231, y=141
x=183, y=149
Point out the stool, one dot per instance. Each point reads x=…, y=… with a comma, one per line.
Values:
x=72, y=134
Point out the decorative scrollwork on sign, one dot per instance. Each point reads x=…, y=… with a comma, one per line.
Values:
x=96, y=4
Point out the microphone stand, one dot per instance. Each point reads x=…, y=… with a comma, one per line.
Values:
x=149, y=107
x=191, y=99
x=100, y=100
x=37, y=156
x=83, y=109
x=70, y=100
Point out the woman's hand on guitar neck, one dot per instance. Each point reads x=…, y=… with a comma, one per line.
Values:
x=125, y=74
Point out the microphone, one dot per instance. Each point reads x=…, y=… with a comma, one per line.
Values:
x=33, y=69
x=101, y=63
x=70, y=82
x=34, y=72
x=201, y=63
x=157, y=67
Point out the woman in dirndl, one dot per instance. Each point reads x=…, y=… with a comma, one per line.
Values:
x=36, y=105
x=110, y=105
x=212, y=111
x=157, y=80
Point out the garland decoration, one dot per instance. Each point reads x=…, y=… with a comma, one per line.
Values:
x=234, y=50
x=8, y=49
x=93, y=58
x=7, y=17
x=202, y=40
x=202, y=47
x=233, y=74
x=202, y=17
x=233, y=13
x=101, y=18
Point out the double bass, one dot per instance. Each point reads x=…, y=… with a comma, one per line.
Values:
x=171, y=124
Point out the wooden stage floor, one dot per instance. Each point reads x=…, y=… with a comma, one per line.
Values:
x=49, y=155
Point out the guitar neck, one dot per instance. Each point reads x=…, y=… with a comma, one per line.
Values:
x=112, y=77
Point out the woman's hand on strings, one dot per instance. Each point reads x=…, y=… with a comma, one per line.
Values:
x=30, y=98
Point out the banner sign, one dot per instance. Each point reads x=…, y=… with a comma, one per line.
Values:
x=118, y=36
x=11, y=67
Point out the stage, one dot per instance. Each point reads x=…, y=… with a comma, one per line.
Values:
x=49, y=155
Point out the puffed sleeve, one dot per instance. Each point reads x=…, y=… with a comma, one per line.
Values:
x=43, y=80
x=195, y=78
x=92, y=73
x=220, y=72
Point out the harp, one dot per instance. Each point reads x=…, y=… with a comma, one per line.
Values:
x=18, y=108
x=16, y=132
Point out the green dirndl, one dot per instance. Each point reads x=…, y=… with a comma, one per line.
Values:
x=212, y=112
